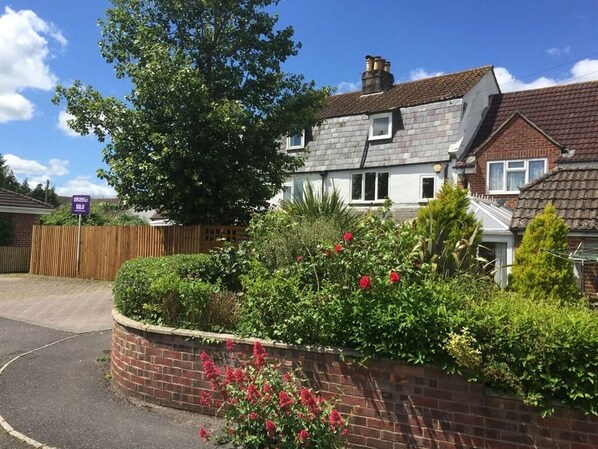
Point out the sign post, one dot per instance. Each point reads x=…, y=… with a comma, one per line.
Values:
x=80, y=205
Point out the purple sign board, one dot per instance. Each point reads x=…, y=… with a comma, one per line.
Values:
x=80, y=204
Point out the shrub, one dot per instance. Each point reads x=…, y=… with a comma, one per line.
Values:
x=7, y=231
x=264, y=408
x=538, y=273
x=181, y=291
x=541, y=350
x=449, y=233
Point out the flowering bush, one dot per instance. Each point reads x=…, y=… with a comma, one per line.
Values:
x=264, y=408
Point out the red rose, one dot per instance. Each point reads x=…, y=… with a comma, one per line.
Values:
x=394, y=277
x=338, y=248
x=348, y=237
x=365, y=282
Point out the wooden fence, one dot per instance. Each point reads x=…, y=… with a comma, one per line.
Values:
x=103, y=249
x=14, y=259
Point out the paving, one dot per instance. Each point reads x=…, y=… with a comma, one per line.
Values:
x=57, y=392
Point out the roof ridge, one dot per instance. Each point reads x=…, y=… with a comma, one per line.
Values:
x=43, y=203
x=460, y=72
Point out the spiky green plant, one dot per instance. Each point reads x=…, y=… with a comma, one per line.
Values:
x=450, y=235
x=329, y=205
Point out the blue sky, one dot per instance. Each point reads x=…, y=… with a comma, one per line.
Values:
x=531, y=43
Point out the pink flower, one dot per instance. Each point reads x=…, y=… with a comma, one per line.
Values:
x=345, y=432
x=252, y=393
x=205, y=398
x=309, y=400
x=338, y=248
x=270, y=426
x=348, y=237
x=210, y=370
x=335, y=420
x=253, y=416
x=230, y=344
x=284, y=399
x=204, y=434
x=287, y=377
x=394, y=277
x=298, y=258
x=259, y=354
x=303, y=435
x=365, y=282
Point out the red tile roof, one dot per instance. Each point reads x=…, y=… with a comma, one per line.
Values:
x=13, y=199
x=573, y=191
x=429, y=90
x=567, y=113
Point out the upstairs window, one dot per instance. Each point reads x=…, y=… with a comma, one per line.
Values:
x=380, y=126
x=369, y=186
x=296, y=142
x=510, y=176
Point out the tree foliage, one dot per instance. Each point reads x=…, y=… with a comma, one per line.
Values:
x=450, y=234
x=198, y=136
x=101, y=214
x=537, y=272
x=8, y=179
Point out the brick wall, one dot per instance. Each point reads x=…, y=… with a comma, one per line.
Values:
x=517, y=140
x=23, y=224
x=392, y=405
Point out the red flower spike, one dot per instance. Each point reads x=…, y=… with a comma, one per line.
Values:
x=365, y=282
x=348, y=237
x=205, y=398
x=335, y=420
x=259, y=354
x=394, y=277
x=253, y=416
x=270, y=427
x=230, y=344
x=338, y=248
x=303, y=435
x=284, y=400
x=204, y=434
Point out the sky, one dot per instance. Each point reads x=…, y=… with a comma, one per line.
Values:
x=530, y=43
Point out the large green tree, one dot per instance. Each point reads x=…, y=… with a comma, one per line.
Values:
x=8, y=179
x=198, y=136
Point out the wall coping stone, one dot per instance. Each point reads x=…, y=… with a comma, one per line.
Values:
x=203, y=335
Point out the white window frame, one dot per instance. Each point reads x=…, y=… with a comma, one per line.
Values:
x=421, y=187
x=362, y=199
x=388, y=135
x=296, y=147
x=506, y=170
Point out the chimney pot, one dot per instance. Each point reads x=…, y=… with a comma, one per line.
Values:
x=377, y=76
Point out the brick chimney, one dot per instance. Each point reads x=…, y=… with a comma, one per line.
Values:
x=377, y=76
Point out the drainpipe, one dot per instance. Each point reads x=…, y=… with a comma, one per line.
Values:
x=323, y=174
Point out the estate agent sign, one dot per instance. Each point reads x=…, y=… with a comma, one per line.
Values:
x=80, y=204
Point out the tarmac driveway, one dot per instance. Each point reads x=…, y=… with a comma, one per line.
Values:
x=74, y=305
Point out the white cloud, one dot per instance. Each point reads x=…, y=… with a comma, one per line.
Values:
x=34, y=170
x=584, y=70
x=62, y=124
x=559, y=51
x=24, y=49
x=347, y=86
x=83, y=185
x=420, y=73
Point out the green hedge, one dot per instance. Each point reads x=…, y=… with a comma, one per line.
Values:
x=179, y=291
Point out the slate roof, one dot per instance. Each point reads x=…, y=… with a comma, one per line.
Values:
x=428, y=90
x=573, y=192
x=567, y=113
x=13, y=199
x=424, y=136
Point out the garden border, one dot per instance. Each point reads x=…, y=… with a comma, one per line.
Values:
x=392, y=405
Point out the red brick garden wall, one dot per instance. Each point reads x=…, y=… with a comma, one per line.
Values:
x=392, y=405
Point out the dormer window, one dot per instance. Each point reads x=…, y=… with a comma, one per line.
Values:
x=296, y=142
x=380, y=126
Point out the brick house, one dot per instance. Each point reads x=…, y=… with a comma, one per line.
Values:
x=23, y=212
x=389, y=140
x=522, y=139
